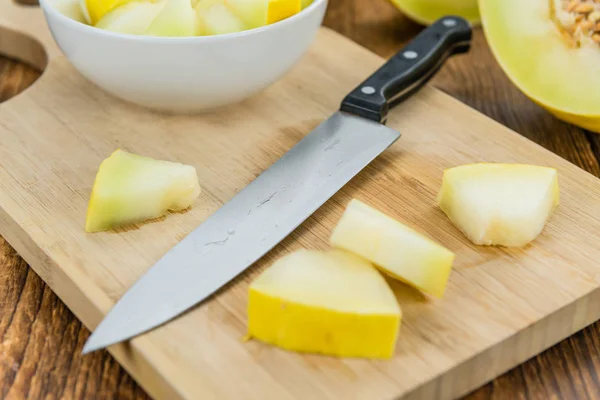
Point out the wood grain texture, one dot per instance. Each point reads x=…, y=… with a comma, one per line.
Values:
x=565, y=371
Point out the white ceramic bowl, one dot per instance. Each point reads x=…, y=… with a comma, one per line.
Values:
x=186, y=74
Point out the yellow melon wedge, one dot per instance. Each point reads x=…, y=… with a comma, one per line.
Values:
x=94, y=10
x=330, y=303
x=396, y=249
x=257, y=13
x=281, y=9
x=133, y=18
x=499, y=204
x=130, y=188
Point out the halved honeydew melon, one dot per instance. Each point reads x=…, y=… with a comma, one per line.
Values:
x=428, y=11
x=551, y=52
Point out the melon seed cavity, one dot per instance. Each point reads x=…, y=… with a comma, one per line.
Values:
x=578, y=20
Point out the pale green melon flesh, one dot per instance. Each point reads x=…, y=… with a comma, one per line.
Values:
x=335, y=280
x=133, y=18
x=214, y=18
x=177, y=18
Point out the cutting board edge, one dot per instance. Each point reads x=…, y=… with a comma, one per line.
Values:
x=68, y=289
x=539, y=334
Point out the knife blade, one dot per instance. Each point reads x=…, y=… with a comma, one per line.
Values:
x=267, y=210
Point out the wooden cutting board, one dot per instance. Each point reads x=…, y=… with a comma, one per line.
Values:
x=502, y=305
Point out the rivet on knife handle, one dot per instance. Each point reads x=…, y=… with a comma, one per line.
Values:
x=409, y=69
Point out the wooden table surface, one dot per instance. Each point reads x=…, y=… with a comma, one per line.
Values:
x=41, y=340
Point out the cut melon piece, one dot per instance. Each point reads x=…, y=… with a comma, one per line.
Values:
x=332, y=303
x=428, y=11
x=546, y=47
x=130, y=188
x=95, y=10
x=133, y=18
x=499, y=204
x=176, y=19
x=305, y=3
x=71, y=9
x=396, y=249
x=214, y=18
x=257, y=13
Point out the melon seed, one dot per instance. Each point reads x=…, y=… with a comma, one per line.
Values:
x=584, y=8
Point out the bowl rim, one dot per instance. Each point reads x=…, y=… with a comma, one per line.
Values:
x=49, y=8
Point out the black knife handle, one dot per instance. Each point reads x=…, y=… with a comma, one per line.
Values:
x=410, y=69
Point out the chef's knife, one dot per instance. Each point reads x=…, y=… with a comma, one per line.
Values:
x=284, y=195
